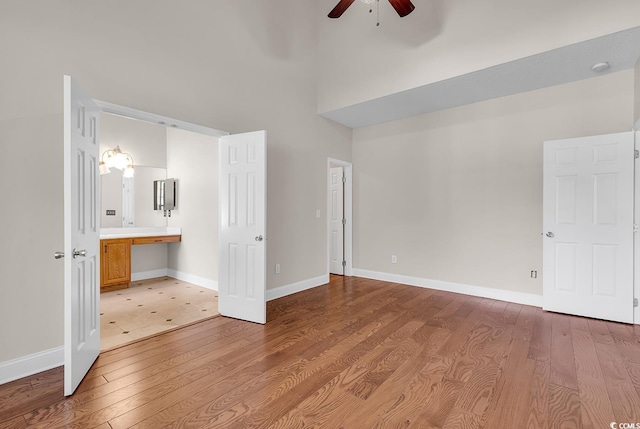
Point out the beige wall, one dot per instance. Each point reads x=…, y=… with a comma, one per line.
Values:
x=442, y=39
x=230, y=65
x=457, y=194
x=193, y=161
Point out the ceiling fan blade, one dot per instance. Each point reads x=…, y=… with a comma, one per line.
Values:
x=340, y=8
x=403, y=7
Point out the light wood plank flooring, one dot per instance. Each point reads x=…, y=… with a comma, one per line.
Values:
x=151, y=306
x=355, y=354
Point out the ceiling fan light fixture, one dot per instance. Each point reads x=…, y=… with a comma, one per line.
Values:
x=600, y=67
x=402, y=7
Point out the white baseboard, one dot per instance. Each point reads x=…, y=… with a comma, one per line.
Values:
x=31, y=364
x=191, y=278
x=292, y=288
x=484, y=292
x=144, y=275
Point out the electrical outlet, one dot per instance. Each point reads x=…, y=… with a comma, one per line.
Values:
x=394, y=259
x=534, y=274
x=277, y=268
x=318, y=213
x=111, y=212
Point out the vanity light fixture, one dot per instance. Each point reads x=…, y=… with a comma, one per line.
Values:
x=115, y=158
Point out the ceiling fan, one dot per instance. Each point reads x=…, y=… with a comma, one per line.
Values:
x=403, y=7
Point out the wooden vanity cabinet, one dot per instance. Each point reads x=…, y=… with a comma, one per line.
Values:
x=115, y=264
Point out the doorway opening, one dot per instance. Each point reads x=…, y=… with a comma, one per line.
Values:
x=163, y=290
x=339, y=217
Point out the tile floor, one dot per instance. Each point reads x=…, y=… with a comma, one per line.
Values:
x=151, y=306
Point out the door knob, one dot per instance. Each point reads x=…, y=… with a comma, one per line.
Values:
x=550, y=234
x=77, y=253
x=58, y=255
x=258, y=238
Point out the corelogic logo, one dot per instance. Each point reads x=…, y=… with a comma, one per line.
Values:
x=615, y=425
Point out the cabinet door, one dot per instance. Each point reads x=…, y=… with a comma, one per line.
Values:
x=115, y=262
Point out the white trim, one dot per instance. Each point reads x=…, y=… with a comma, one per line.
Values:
x=31, y=364
x=348, y=212
x=484, y=292
x=636, y=220
x=292, y=288
x=191, y=278
x=185, y=277
x=140, y=115
x=144, y=275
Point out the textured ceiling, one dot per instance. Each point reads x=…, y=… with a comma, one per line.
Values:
x=570, y=63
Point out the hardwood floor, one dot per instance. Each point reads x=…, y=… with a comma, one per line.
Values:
x=355, y=354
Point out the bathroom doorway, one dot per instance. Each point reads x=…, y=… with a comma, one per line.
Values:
x=171, y=284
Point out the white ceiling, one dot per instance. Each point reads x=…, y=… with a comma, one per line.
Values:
x=567, y=64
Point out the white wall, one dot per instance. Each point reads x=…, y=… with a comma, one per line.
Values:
x=442, y=39
x=231, y=65
x=457, y=194
x=193, y=161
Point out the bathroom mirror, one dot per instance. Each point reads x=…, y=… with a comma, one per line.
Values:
x=128, y=202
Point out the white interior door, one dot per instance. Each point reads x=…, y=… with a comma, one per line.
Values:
x=336, y=254
x=81, y=235
x=588, y=226
x=242, y=255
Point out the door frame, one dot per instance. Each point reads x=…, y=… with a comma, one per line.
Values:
x=348, y=212
x=636, y=221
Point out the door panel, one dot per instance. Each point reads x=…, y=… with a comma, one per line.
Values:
x=588, y=226
x=242, y=278
x=336, y=252
x=81, y=235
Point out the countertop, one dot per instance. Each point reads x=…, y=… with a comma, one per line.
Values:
x=158, y=231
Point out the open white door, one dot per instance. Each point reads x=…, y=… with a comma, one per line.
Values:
x=588, y=226
x=336, y=254
x=81, y=235
x=242, y=253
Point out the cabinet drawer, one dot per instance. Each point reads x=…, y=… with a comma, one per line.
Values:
x=158, y=239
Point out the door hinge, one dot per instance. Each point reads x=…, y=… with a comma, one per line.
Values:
x=635, y=302
x=344, y=221
x=637, y=153
x=344, y=178
x=344, y=264
x=635, y=227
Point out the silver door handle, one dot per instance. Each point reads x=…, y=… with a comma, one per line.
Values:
x=258, y=238
x=550, y=234
x=58, y=255
x=77, y=253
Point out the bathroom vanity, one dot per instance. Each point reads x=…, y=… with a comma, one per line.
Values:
x=115, y=251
